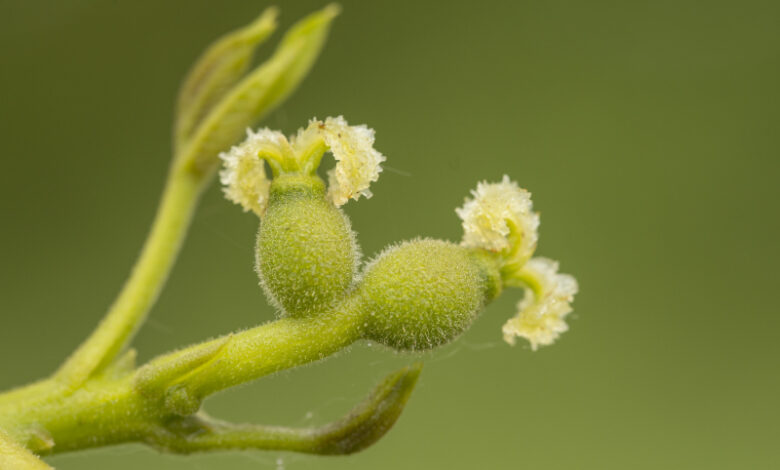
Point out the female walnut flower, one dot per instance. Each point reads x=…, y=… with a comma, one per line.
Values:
x=500, y=220
x=357, y=162
x=307, y=255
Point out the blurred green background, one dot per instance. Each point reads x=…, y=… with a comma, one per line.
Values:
x=648, y=133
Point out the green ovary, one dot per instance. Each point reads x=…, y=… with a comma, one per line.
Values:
x=424, y=293
x=306, y=250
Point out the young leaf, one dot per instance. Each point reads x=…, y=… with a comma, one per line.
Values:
x=216, y=71
x=259, y=92
x=363, y=426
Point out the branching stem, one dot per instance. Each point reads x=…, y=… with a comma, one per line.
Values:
x=158, y=403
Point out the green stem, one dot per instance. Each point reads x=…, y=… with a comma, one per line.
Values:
x=252, y=354
x=364, y=425
x=145, y=404
x=146, y=280
x=13, y=456
x=42, y=387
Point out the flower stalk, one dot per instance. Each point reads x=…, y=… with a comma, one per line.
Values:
x=415, y=295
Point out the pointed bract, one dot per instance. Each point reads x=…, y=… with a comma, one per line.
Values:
x=217, y=70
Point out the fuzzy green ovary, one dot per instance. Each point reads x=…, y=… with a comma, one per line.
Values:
x=306, y=251
x=424, y=293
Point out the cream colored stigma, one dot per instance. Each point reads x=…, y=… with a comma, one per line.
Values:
x=500, y=219
x=243, y=176
x=357, y=162
x=542, y=312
